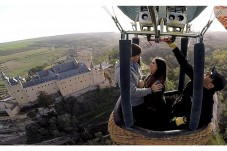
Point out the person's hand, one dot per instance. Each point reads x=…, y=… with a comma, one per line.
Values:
x=156, y=87
x=141, y=84
x=171, y=44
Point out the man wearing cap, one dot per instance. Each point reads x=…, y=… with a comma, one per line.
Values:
x=139, y=109
x=181, y=108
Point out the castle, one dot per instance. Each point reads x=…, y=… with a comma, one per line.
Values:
x=70, y=78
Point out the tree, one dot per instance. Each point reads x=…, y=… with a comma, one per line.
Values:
x=169, y=85
x=33, y=113
x=32, y=71
x=44, y=100
x=70, y=106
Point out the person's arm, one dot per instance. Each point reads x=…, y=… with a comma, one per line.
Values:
x=138, y=92
x=135, y=91
x=186, y=67
x=141, y=92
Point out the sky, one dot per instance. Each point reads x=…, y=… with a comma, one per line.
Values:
x=24, y=19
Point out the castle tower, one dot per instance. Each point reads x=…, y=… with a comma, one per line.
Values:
x=6, y=83
x=3, y=76
x=91, y=66
x=15, y=88
x=100, y=67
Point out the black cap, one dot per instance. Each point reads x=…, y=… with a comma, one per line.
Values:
x=136, y=50
x=218, y=80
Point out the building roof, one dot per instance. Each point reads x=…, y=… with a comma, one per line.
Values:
x=65, y=67
x=13, y=81
x=58, y=72
x=82, y=68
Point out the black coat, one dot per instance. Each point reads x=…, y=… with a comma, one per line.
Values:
x=182, y=105
x=156, y=105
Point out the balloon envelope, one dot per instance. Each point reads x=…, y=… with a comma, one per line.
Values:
x=133, y=11
x=221, y=14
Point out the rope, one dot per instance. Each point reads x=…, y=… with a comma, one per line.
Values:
x=152, y=14
x=210, y=21
x=211, y=14
x=114, y=18
x=108, y=12
x=113, y=11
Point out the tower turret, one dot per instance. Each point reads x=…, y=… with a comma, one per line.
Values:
x=91, y=66
x=3, y=76
x=100, y=67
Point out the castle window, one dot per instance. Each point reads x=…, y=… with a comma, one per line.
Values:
x=18, y=90
x=21, y=97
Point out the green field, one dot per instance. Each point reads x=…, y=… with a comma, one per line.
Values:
x=18, y=59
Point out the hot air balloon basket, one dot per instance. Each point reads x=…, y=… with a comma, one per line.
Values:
x=124, y=136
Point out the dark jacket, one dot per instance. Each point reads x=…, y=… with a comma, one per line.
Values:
x=156, y=104
x=182, y=105
x=154, y=101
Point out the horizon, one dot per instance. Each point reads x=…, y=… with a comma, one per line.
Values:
x=80, y=33
x=55, y=36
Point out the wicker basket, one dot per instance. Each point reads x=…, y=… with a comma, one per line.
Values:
x=134, y=137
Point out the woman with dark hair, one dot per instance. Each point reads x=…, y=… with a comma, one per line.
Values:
x=155, y=102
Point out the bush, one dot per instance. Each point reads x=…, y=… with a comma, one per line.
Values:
x=32, y=114
x=44, y=100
